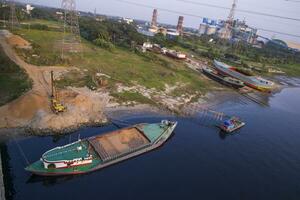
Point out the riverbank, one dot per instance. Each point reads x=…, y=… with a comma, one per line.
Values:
x=85, y=107
x=116, y=111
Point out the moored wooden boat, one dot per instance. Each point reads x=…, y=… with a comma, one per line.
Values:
x=254, y=82
x=225, y=80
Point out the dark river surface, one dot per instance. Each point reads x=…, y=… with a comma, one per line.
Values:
x=260, y=161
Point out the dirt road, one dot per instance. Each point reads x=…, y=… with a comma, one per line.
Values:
x=32, y=110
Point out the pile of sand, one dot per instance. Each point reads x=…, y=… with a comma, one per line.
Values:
x=33, y=111
x=83, y=107
x=17, y=41
x=20, y=112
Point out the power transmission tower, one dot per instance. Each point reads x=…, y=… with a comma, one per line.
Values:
x=226, y=32
x=4, y=21
x=95, y=12
x=13, y=20
x=71, y=37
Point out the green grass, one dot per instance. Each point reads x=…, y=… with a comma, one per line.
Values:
x=291, y=69
x=13, y=80
x=132, y=96
x=46, y=49
x=150, y=70
x=52, y=24
x=76, y=79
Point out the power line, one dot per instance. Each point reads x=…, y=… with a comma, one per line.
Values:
x=196, y=16
x=278, y=32
x=162, y=9
x=240, y=10
x=293, y=1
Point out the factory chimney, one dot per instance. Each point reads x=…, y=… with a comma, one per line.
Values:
x=154, y=18
x=180, y=25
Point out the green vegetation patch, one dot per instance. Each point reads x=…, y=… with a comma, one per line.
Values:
x=132, y=96
x=46, y=48
x=76, y=78
x=291, y=69
x=13, y=80
x=122, y=64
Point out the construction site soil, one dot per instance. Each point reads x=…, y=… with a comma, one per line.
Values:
x=32, y=110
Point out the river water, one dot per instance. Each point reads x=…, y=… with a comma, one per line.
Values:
x=260, y=161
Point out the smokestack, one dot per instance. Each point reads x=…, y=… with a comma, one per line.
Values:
x=180, y=25
x=154, y=18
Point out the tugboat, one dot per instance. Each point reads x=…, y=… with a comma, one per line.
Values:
x=231, y=125
x=225, y=80
x=102, y=150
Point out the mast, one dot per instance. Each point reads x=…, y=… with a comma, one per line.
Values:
x=52, y=85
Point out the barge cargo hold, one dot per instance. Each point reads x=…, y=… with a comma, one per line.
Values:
x=257, y=83
x=100, y=151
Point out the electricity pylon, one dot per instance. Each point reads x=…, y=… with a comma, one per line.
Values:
x=226, y=32
x=71, y=37
x=13, y=20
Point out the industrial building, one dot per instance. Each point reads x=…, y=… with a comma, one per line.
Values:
x=242, y=32
x=154, y=27
x=172, y=34
x=210, y=26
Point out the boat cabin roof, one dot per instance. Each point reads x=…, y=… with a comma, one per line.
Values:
x=68, y=152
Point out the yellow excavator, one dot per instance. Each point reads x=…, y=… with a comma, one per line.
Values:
x=56, y=105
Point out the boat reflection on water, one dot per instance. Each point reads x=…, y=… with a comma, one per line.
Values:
x=53, y=180
x=223, y=135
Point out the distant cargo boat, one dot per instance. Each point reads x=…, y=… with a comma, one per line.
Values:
x=100, y=151
x=228, y=81
x=176, y=54
x=257, y=83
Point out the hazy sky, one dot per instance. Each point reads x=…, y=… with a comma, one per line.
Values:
x=276, y=7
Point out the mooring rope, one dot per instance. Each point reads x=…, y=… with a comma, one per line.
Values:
x=21, y=151
x=118, y=121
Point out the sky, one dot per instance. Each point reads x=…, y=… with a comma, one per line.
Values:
x=286, y=8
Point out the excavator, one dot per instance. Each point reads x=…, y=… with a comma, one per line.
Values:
x=56, y=105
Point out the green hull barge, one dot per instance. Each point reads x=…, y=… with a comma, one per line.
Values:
x=100, y=151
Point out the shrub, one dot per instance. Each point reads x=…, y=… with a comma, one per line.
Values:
x=104, y=44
